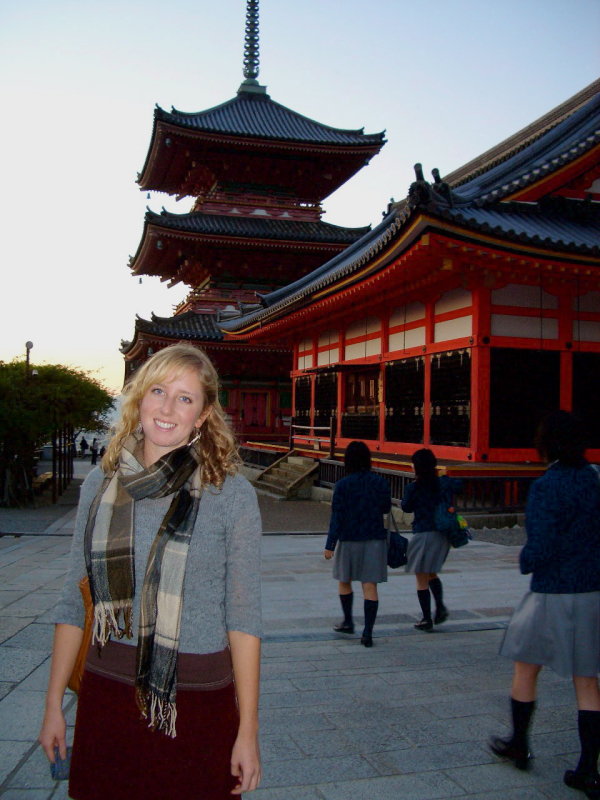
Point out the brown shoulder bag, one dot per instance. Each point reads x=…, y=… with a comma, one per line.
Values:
x=79, y=666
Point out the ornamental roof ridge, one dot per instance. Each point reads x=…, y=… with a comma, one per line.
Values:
x=522, y=139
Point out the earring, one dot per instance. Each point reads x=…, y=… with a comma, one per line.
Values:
x=196, y=437
x=138, y=429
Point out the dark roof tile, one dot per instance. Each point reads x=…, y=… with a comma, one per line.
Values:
x=190, y=325
x=256, y=227
x=257, y=115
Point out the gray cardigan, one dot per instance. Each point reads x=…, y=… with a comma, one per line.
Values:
x=222, y=579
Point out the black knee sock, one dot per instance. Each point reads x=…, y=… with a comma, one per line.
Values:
x=425, y=602
x=437, y=590
x=371, y=607
x=521, y=719
x=346, y=601
x=588, y=723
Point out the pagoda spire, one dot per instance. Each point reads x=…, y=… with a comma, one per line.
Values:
x=251, y=51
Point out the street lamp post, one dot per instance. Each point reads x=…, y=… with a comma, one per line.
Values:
x=28, y=346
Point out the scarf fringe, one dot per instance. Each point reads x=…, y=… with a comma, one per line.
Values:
x=106, y=622
x=162, y=714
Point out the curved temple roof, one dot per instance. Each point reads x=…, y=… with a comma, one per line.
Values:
x=255, y=227
x=254, y=114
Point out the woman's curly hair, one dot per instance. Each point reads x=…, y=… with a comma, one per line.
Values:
x=216, y=446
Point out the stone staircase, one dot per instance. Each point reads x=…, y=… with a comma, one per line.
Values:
x=291, y=476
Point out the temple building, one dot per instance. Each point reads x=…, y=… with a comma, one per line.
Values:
x=258, y=173
x=471, y=310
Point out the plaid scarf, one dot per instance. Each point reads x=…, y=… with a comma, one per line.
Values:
x=109, y=552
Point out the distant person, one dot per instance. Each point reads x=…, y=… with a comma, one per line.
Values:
x=94, y=451
x=428, y=548
x=358, y=538
x=102, y=451
x=83, y=446
x=557, y=623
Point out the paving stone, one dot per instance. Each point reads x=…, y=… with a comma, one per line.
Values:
x=522, y=793
x=34, y=774
x=294, y=793
x=279, y=747
x=21, y=714
x=29, y=794
x=11, y=625
x=487, y=777
x=282, y=720
x=17, y=663
x=33, y=604
x=310, y=771
x=324, y=700
x=8, y=596
x=426, y=759
x=463, y=729
x=62, y=791
x=37, y=681
x=6, y=687
x=36, y=636
x=11, y=753
x=408, y=787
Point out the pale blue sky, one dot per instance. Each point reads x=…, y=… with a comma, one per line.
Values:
x=447, y=79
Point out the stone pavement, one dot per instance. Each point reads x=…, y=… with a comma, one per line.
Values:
x=406, y=719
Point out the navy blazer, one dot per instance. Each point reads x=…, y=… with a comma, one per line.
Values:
x=562, y=518
x=359, y=502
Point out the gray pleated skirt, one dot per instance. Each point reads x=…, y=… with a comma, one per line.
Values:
x=560, y=631
x=361, y=561
x=427, y=551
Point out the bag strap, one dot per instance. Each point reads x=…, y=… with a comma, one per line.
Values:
x=392, y=520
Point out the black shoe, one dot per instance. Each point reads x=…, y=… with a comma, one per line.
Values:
x=441, y=615
x=344, y=627
x=590, y=784
x=366, y=640
x=506, y=749
x=424, y=625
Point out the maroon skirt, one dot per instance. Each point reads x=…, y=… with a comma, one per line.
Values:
x=117, y=756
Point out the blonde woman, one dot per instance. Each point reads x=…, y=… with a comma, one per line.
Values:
x=169, y=535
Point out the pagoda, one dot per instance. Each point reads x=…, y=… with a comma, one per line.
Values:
x=470, y=311
x=258, y=173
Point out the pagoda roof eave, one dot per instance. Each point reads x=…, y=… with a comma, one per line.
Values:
x=220, y=228
x=251, y=120
x=257, y=116
x=260, y=227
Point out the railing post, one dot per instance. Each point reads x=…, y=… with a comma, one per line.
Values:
x=331, y=436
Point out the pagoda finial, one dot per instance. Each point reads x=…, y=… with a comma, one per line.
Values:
x=251, y=51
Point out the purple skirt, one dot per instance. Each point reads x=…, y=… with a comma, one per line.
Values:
x=117, y=756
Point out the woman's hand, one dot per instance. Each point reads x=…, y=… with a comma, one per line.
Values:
x=53, y=733
x=328, y=554
x=67, y=639
x=245, y=763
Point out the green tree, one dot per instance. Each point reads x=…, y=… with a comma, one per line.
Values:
x=34, y=404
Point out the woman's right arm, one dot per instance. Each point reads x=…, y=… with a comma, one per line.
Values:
x=67, y=640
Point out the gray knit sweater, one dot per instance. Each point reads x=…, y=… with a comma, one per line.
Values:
x=222, y=580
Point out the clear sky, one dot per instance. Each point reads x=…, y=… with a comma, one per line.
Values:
x=446, y=79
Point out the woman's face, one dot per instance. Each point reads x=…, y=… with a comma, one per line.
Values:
x=169, y=412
